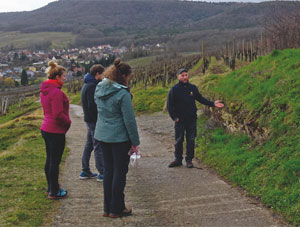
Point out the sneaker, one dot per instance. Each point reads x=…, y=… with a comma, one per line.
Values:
x=189, y=164
x=175, y=164
x=87, y=175
x=100, y=177
x=61, y=194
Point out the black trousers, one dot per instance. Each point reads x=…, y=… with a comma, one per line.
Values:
x=189, y=129
x=116, y=160
x=55, y=145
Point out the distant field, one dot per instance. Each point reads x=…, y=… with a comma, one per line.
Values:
x=144, y=61
x=26, y=40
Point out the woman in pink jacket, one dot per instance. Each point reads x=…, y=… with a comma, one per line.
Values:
x=55, y=125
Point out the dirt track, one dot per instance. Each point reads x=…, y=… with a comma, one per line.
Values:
x=158, y=195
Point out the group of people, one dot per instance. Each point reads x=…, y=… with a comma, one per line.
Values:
x=111, y=127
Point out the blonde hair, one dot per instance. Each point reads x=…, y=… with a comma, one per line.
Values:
x=54, y=70
x=118, y=71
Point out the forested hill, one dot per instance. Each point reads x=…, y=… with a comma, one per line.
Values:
x=147, y=21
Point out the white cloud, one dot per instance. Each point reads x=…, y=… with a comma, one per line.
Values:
x=22, y=5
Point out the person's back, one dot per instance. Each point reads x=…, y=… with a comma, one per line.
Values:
x=114, y=108
x=90, y=117
x=117, y=132
x=87, y=98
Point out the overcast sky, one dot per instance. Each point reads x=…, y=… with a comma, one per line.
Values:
x=22, y=5
x=28, y=5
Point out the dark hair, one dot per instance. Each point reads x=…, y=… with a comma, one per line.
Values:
x=54, y=70
x=118, y=72
x=96, y=69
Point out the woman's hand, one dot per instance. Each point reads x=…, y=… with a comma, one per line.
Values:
x=134, y=149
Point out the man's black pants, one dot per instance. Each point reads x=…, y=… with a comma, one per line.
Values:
x=55, y=145
x=189, y=130
x=116, y=160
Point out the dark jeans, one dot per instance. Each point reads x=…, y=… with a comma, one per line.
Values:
x=55, y=145
x=116, y=160
x=190, y=129
x=90, y=145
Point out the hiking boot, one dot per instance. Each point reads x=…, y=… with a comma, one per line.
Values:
x=100, y=177
x=61, y=194
x=189, y=164
x=175, y=164
x=125, y=212
x=87, y=175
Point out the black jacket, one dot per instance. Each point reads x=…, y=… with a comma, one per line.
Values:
x=87, y=98
x=181, y=101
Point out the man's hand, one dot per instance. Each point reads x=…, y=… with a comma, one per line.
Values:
x=219, y=104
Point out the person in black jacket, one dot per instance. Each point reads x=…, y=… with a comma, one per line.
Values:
x=183, y=111
x=90, y=117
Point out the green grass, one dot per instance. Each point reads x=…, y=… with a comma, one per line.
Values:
x=18, y=110
x=265, y=94
x=23, y=201
x=26, y=40
x=151, y=100
x=74, y=98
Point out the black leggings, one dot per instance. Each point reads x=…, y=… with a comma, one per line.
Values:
x=55, y=145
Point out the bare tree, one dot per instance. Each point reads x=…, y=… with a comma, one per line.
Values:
x=282, y=27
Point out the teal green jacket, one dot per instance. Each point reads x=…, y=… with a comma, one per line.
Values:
x=116, y=121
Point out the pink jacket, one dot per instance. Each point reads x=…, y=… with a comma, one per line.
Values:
x=56, y=108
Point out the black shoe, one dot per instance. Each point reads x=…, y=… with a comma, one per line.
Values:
x=124, y=213
x=175, y=164
x=189, y=164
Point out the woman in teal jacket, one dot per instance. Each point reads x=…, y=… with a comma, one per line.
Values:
x=117, y=132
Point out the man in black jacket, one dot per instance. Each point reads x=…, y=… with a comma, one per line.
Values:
x=90, y=117
x=182, y=109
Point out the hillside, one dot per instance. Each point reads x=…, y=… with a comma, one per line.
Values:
x=149, y=21
x=256, y=147
x=254, y=140
x=261, y=152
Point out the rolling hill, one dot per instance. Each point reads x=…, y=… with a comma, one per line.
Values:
x=144, y=21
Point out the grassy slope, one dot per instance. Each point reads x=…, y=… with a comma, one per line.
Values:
x=268, y=86
x=23, y=201
x=26, y=40
x=150, y=100
x=271, y=170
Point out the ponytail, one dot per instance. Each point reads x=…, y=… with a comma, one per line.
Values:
x=54, y=70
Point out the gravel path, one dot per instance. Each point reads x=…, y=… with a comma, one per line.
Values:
x=158, y=195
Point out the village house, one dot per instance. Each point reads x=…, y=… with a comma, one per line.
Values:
x=18, y=69
x=30, y=74
x=32, y=68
